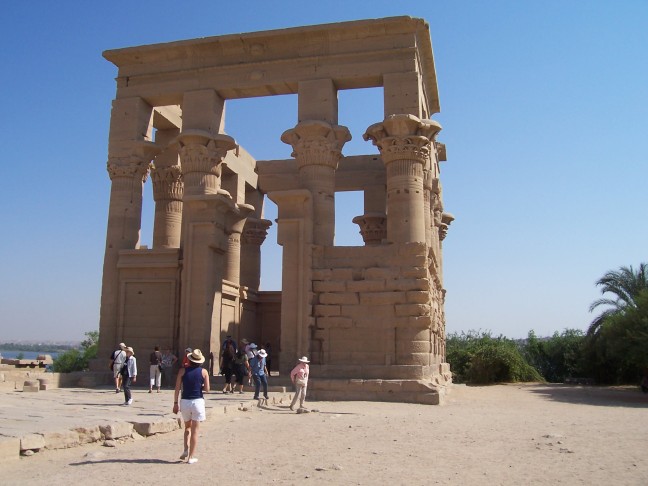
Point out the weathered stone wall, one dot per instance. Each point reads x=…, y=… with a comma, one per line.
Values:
x=373, y=310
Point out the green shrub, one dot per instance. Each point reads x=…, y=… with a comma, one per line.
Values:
x=558, y=357
x=75, y=359
x=479, y=358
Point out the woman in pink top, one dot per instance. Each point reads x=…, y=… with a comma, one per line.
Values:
x=299, y=377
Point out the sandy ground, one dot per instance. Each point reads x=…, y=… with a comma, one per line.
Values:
x=505, y=434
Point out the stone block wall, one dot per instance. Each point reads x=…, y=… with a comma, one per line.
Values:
x=375, y=314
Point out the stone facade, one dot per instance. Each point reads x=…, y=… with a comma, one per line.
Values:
x=370, y=317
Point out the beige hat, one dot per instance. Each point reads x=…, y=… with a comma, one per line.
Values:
x=196, y=356
x=130, y=350
x=304, y=359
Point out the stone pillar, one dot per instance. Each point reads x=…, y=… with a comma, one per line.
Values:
x=317, y=146
x=168, y=190
x=404, y=143
x=254, y=234
x=235, y=223
x=294, y=234
x=130, y=152
x=427, y=206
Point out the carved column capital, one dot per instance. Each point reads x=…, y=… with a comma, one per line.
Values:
x=317, y=142
x=201, y=156
x=255, y=231
x=131, y=160
x=373, y=227
x=400, y=137
x=167, y=183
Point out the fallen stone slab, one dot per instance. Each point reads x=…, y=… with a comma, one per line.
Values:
x=9, y=449
x=88, y=435
x=156, y=427
x=32, y=442
x=61, y=440
x=115, y=430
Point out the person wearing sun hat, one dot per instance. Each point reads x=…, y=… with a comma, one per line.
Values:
x=259, y=373
x=193, y=380
x=129, y=374
x=299, y=377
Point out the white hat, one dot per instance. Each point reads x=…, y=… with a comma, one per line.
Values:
x=130, y=350
x=304, y=359
x=253, y=346
x=196, y=356
x=263, y=353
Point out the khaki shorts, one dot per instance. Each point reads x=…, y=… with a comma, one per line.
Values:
x=193, y=409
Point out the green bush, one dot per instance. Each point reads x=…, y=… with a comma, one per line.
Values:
x=75, y=359
x=479, y=358
x=558, y=357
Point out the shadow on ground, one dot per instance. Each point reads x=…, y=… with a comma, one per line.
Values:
x=593, y=395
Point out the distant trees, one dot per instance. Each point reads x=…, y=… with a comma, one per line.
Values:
x=78, y=359
x=613, y=351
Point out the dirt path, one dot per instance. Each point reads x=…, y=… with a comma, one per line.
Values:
x=505, y=434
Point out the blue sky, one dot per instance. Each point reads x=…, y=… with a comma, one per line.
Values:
x=544, y=107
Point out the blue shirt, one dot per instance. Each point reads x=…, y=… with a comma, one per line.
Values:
x=257, y=364
x=192, y=383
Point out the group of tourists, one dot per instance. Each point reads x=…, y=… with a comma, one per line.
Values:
x=192, y=382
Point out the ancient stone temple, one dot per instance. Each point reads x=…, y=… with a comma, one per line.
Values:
x=370, y=318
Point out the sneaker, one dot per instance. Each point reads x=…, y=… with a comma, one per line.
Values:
x=184, y=455
x=265, y=396
x=256, y=398
x=193, y=460
x=125, y=404
x=231, y=391
x=129, y=402
x=116, y=390
x=241, y=391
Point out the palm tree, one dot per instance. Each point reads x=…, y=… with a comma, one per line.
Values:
x=625, y=284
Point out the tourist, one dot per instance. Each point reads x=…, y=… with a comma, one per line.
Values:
x=193, y=380
x=259, y=373
x=129, y=374
x=268, y=349
x=299, y=377
x=227, y=367
x=117, y=359
x=241, y=368
x=155, y=369
x=168, y=361
x=250, y=350
x=185, y=360
x=229, y=342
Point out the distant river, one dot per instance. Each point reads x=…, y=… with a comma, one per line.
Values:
x=28, y=354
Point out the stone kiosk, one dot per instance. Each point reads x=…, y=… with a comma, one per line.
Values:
x=370, y=318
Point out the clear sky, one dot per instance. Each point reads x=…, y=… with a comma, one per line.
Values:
x=545, y=113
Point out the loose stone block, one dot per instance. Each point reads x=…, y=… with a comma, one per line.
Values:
x=9, y=449
x=156, y=427
x=88, y=434
x=32, y=441
x=61, y=440
x=115, y=430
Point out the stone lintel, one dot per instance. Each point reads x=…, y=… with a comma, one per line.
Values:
x=351, y=54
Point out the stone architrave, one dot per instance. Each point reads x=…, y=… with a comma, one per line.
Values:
x=404, y=143
x=317, y=147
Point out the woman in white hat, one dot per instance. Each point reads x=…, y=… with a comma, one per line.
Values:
x=299, y=377
x=193, y=380
x=129, y=374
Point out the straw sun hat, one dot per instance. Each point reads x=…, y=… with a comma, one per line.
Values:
x=196, y=356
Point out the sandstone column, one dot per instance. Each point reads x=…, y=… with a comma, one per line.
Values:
x=202, y=150
x=130, y=152
x=254, y=234
x=235, y=222
x=317, y=146
x=294, y=234
x=404, y=143
x=168, y=190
